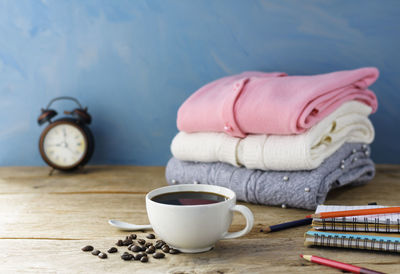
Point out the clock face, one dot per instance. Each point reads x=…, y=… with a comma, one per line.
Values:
x=64, y=145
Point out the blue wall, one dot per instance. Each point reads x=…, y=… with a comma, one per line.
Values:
x=134, y=62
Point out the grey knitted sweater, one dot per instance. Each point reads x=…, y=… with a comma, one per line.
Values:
x=301, y=189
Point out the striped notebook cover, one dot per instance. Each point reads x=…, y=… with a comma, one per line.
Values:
x=367, y=223
x=372, y=241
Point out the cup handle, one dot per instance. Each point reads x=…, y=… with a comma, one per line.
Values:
x=249, y=222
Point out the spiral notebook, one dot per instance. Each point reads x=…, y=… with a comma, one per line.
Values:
x=371, y=241
x=367, y=223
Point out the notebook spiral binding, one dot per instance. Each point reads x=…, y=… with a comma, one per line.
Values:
x=367, y=225
x=356, y=242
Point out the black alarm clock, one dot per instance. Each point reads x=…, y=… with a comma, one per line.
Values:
x=66, y=143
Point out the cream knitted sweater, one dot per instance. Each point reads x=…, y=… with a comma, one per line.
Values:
x=349, y=123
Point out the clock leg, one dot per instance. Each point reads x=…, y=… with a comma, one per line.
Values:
x=51, y=171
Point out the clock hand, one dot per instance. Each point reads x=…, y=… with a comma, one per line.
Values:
x=74, y=152
x=65, y=135
x=55, y=145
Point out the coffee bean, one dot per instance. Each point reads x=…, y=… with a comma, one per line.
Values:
x=143, y=253
x=144, y=259
x=102, y=255
x=165, y=248
x=150, y=236
x=174, y=251
x=127, y=242
x=158, y=245
x=119, y=243
x=137, y=257
x=150, y=250
x=112, y=250
x=148, y=244
x=136, y=248
x=141, y=241
x=87, y=248
x=130, y=246
x=158, y=255
x=96, y=252
x=126, y=256
x=143, y=248
x=133, y=236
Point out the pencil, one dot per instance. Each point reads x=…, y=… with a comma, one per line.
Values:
x=278, y=227
x=339, y=265
x=357, y=212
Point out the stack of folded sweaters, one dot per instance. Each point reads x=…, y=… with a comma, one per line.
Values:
x=276, y=139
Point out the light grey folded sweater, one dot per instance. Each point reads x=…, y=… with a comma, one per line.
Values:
x=350, y=164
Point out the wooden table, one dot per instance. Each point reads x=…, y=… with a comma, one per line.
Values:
x=45, y=220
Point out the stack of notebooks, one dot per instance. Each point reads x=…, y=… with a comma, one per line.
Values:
x=372, y=232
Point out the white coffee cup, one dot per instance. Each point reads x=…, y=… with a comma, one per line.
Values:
x=195, y=228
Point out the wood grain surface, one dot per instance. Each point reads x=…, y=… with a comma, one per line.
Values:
x=46, y=220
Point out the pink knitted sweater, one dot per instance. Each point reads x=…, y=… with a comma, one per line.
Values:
x=273, y=103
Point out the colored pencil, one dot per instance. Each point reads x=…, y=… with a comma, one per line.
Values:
x=339, y=265
x=357, y=212
x=291, y=224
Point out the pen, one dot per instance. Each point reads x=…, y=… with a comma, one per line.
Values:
x=357, y=212
x=291, y=224
x=338, y=265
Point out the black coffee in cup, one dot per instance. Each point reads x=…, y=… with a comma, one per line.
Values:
x=186, y=198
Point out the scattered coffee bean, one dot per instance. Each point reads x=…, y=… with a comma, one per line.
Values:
x=142, y=248
x=87, y=248
x=174, y=251
x=112, y=250
x=136, y=248
x=95, y=252
x=102, y=255
x=158, y=255
x=126, y=256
